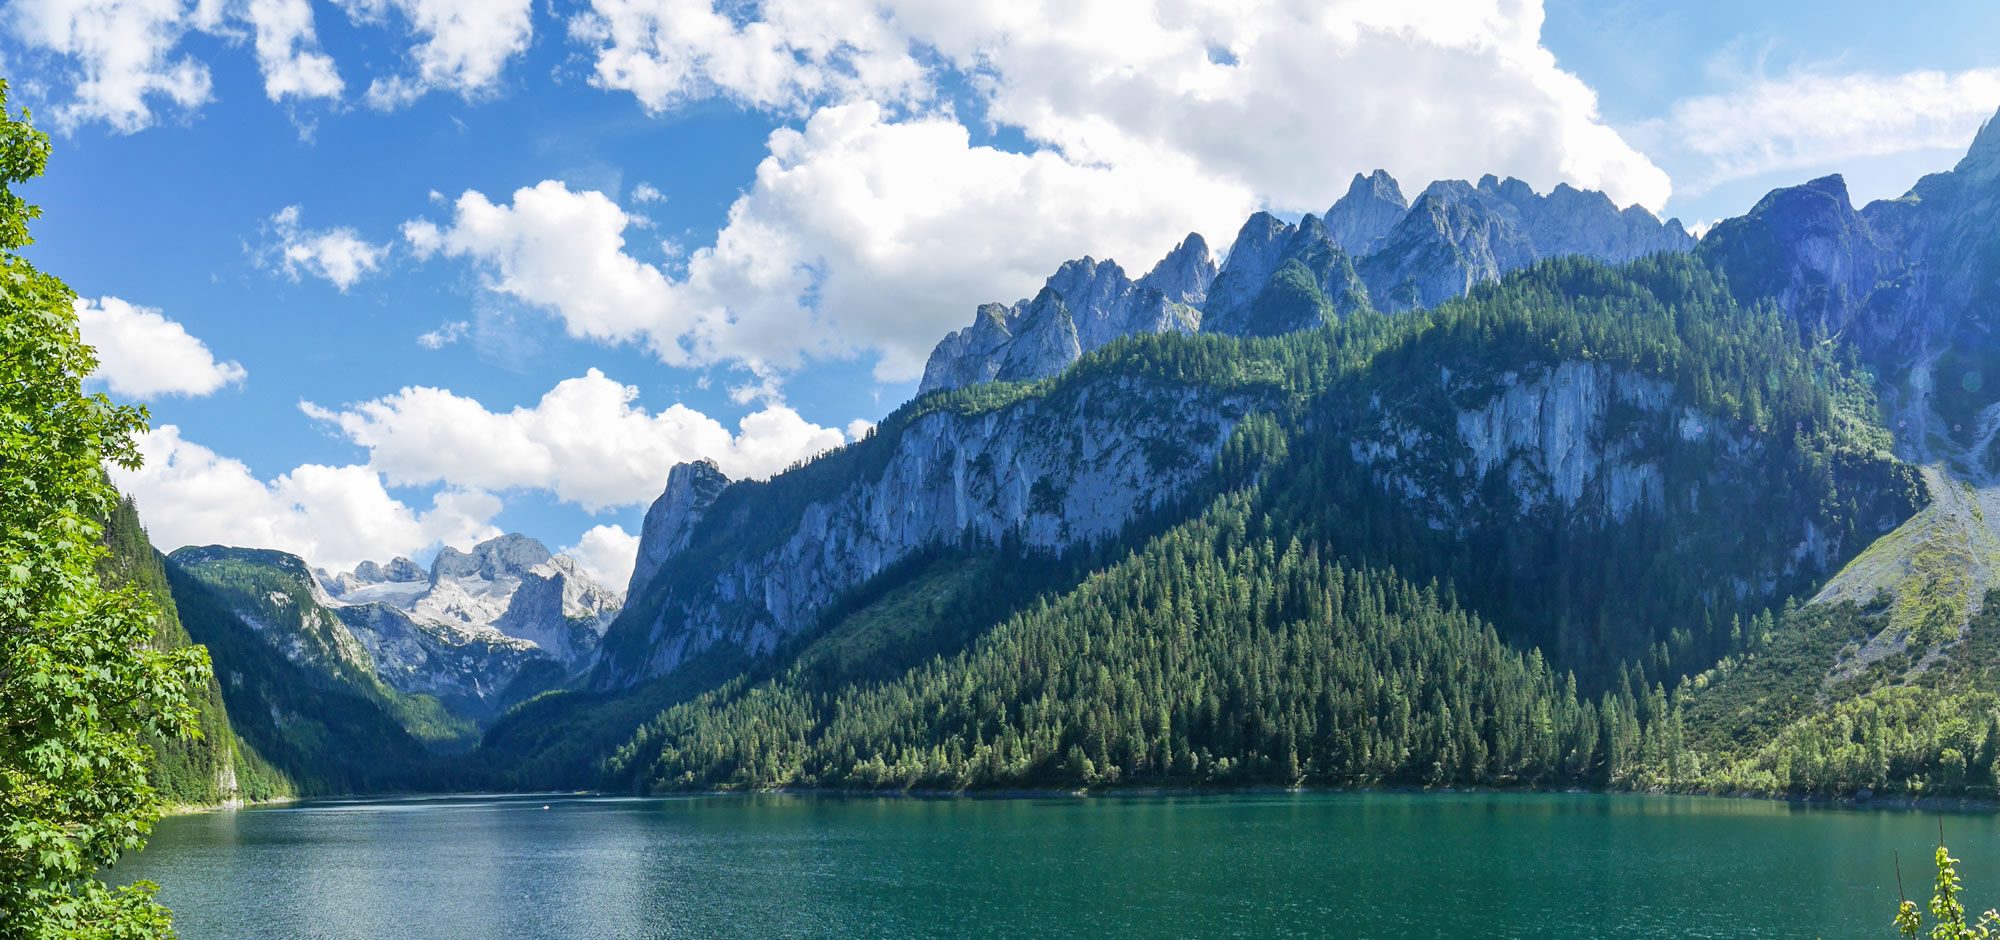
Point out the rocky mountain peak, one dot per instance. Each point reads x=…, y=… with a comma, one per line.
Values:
x=1183, y=276
x=691, y=488
x=1371, y=248
x=1373, y=205
x=505, y=556
x=1983, y=159
x=398, y=570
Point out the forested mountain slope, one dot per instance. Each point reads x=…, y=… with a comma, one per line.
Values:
x=218, y=767
x=1551, y=452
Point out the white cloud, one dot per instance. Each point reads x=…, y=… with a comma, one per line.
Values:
x=337, y=255
x=123, y=52
x=142, y=354
x=334, y=517
x=585, y=441
x=645, y=193
x=778, y=54
x=877, y=226
x=560, y=250
x=1288, y=97
x=859, y=234
x=608, y=553
x=287, y=51
x=1305, y=92
x=465, y=45
x=1813, y=119
x=447, y=333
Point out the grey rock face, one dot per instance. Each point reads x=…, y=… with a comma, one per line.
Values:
x=1254, y=256
x=1083, y=306
x=560, y=610
x=1912, y=283
x=1371, y=249
x=670, y=521
x=1184, y=275
x=1045, y=340
x=508, y=599
x=505, y=556
x=1053, y=471
x=399, y=571
x=1373, y=205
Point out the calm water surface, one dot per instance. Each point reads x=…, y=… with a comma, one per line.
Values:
x=1338, y=865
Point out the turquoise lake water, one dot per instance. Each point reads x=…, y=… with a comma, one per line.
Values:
x=1255, y=865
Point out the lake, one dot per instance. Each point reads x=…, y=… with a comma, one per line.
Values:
x=1252, y=865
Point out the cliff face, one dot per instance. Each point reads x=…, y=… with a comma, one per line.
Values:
x=763, y=560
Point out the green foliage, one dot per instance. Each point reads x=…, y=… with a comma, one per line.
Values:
x=1839, y=701
x=1946, y=909
x=82, y=685
x=213, y=766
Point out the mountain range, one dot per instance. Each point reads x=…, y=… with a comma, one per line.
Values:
x=1489, y=487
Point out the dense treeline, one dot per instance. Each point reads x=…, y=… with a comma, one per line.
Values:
x=214, y=766
x=1214, y=656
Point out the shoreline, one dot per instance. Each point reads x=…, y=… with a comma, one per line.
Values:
x=1898, y=802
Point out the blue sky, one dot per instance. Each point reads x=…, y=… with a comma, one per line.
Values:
x=384, y=269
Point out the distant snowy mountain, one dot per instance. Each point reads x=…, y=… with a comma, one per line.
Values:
x=510, y=586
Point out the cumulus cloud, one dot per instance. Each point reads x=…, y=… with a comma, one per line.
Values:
x=859, y=234
x=1814, y=119
x=782, y=55
x=608, y=553
x=646, y=193
x=586, y=441
x=465, y=44
x=1288, y=97
x=334, y=517
x=142, y=354
x=288, y=51
x=338, y=256
x=878, y=225
x=1293, y=97
x=123, y=52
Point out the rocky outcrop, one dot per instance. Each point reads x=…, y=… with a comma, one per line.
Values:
x=1577, y=437
x=1806, y=248
x=671, y=520
x=1084, y=306
x=1370, y=249
x=559, y=610
x=1372, y=207
x=496, y=559
x=765, y=559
